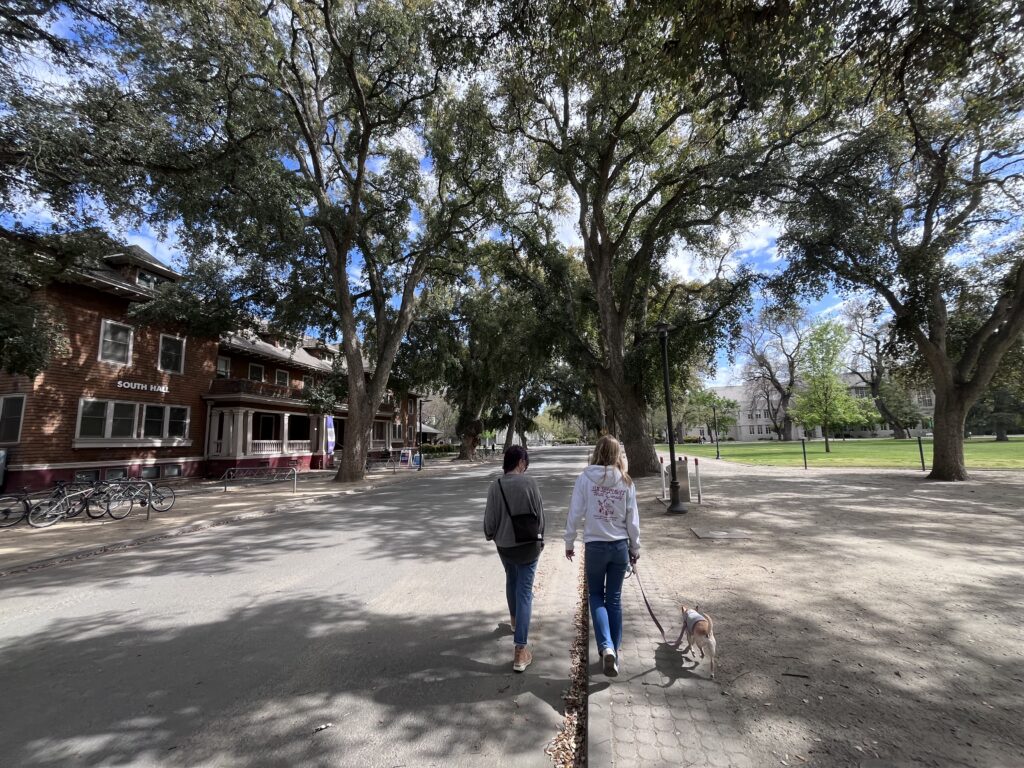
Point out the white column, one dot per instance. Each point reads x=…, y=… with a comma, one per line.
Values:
x=284, y=433
x=227, y=447
x=248, y=414
x=238, y=431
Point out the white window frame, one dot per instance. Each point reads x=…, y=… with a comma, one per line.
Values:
x=21, y=421
x=307, y=381
x=104, y=324
x=160, y=354
x=287, y=378
x=263, y=371
x=136, y=440
x=150, y=282
x=226, y=374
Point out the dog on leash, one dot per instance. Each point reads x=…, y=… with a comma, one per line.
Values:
x=700, y=634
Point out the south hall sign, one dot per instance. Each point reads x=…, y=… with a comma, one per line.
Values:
x=141, y=385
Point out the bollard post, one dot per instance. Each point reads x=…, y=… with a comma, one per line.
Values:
x=920, y=448
x=684, y=481
x=696, y=471
x=803, y=446
x=664, y=489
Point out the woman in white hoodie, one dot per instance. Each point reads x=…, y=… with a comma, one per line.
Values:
x=604, y=501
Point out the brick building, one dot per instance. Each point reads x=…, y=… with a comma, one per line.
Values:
x=128, y=400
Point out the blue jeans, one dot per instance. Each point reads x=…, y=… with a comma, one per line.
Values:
x=519, y=595
x=606, y=563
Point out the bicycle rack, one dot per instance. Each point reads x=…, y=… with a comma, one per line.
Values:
x=266, y=474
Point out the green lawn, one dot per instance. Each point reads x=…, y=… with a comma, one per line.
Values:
x=979, y=453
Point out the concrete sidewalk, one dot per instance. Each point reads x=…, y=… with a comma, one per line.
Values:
x=199, y=505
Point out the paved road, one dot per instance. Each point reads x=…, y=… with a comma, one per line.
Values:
x=379, y=614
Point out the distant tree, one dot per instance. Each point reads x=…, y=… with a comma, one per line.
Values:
x=823, y=398
x=871, y=362
x=772, y=344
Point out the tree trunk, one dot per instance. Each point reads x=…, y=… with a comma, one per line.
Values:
x=824, y=431
x=353, y=454
x=470, y=440
x=1001, y=434
x=634, y=431
x=948, y=440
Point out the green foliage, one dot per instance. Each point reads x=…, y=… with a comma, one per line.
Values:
x=822, y=399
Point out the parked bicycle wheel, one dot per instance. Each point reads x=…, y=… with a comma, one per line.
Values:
x=96, y=504
x=119, y=506
x=162, y=498
x=12, y=510
x=47, y=512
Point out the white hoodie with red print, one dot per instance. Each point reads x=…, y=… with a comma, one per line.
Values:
x=606, y=506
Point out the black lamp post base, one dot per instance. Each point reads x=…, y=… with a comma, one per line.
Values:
x=675, y=505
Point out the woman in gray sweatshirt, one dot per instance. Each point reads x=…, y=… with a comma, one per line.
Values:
x=514, y=494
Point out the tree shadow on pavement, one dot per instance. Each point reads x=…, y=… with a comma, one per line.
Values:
x=252, y=686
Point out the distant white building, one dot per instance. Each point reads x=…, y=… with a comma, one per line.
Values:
x=753, y=420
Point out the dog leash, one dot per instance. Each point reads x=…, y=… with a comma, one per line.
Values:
x=678, y=640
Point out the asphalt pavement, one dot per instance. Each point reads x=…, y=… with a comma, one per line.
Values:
x=259, y=626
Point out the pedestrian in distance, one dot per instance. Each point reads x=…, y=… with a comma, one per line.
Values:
x=604, y=503
x=514, y=520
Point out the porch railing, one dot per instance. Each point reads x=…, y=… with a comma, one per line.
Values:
x=266, y=446
x=299, y=446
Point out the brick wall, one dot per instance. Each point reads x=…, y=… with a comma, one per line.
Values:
x=52, y=402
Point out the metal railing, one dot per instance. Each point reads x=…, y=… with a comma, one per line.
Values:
x=264, y=474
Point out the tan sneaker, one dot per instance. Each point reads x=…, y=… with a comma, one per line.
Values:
x=522, y=659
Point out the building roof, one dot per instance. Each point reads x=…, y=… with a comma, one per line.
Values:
x=258, y=348
x=139, y=257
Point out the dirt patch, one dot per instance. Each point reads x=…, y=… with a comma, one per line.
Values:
x=872, y=614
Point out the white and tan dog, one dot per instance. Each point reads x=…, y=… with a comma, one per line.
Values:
x=700, y=634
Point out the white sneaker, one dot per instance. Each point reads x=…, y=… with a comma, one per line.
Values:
x=611, y=663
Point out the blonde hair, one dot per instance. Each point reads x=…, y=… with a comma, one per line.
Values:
x=609, y=453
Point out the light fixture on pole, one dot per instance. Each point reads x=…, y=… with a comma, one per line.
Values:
x=714, y=414
x=675, y=507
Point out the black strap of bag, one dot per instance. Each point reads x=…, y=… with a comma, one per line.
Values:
x=526, y=527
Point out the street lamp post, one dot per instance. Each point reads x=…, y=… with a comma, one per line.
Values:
x=420, y=468
x=714, y=415
x=675, y=507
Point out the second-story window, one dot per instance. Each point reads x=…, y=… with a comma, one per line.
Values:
x=223, y=367
x=115, y=342
x=255, y=372
x=172, y=354
x=307, y=381
x=281, y=378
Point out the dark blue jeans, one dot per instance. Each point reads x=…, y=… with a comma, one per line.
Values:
x=606, y=569
x=519, y=594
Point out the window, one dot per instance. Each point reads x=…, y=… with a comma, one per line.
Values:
x=115, y=343
x=12, y=407
x=109, y=420
x=925, y=400
x=123, y=420
x=223, y=367
x=751, y=429
x=307, y=381
x=153, y=423
x=281, y=378
x=83, y=476
x=172, y=470
x=177, y=421
x=255, y=372
x=380, y=430
x=760, y=429
x=172, y=354
x=118, y=473
x=148, y=280
x=149, y=473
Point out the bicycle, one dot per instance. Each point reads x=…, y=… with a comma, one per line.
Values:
x=122, y=499
x=63, y=504
x=14, y=508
